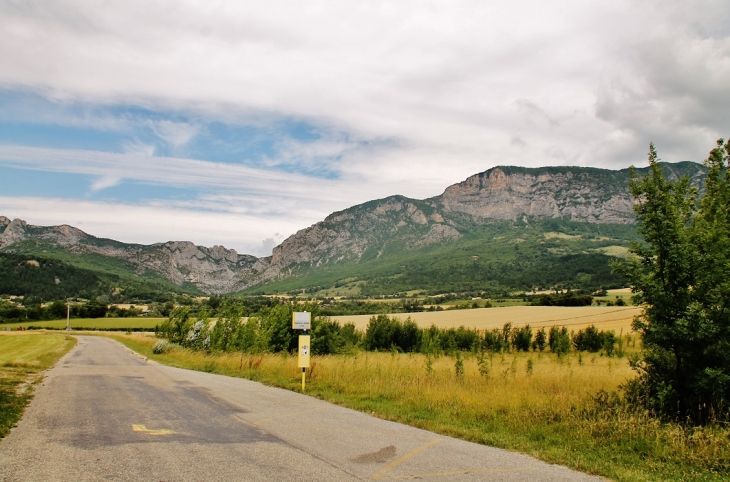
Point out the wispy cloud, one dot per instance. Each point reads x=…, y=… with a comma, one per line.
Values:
x=174, y=133
x=291, y=110
x=104, y=182
x=164, y=171
x=443, y=78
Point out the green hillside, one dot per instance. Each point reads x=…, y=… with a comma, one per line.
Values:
x=493, y=257
x=46, y=272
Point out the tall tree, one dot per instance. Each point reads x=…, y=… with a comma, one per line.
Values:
x=680, y=273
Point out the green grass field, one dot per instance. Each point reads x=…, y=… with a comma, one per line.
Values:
x=22, y=357
x=90, y=324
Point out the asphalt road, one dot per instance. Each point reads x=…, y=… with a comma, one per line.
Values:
x=104, y=413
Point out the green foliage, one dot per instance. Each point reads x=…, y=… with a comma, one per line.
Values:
x=60, y=274
x=10, y=312
x=680, y=273
x=78, y=272
x=592, y=340
x=483, y=364
x=559, y=340
x=47, y=279
x=384, y=332
x=177, y=326
x=485, y=259
x=522, y=338
x=161, y=347
x=459, y=365
x=540, y=340
x=227, y=329
x=571, y=298
x=266, y=331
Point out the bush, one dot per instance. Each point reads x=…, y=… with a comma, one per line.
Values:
x=161, y=347
x=559, y=340
x=522, y=338
x=540, y=340
x=384, y=332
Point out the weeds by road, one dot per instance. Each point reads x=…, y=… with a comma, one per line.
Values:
x=560, y=409
x=22, y=357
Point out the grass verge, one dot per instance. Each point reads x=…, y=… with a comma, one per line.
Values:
x=22, y=357
x=559, y=409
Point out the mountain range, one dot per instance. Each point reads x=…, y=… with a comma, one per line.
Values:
x=505, y=228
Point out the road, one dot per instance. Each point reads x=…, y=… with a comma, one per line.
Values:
x=105, y=413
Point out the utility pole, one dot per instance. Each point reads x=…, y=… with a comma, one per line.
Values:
x=68, y=314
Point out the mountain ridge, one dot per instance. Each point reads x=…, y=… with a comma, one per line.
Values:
x=375, y=230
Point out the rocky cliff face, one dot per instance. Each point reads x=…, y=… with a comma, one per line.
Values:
x=576, y=193
x=577, y=196
x=363, y=233
x=212, y=270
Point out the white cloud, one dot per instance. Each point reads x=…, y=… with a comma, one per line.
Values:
x=153, y=223
x=408, y=96
x=174, y=133
x=104, y=182
x=449, y=80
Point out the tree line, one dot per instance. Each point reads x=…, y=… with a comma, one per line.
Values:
x=269, y=331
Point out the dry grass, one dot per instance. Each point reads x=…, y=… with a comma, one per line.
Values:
x=563, y=410
x=617, y=318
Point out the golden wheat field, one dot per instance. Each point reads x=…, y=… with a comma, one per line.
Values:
x=615, y=318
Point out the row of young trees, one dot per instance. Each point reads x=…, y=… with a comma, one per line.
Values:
x=386, y=333
x=269, y=330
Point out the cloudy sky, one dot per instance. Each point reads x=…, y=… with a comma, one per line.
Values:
x=239, y=123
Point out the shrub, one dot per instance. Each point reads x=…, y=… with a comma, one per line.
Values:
x=161, y=347
x=522, y=338
x=559, y=340
x=540, y=340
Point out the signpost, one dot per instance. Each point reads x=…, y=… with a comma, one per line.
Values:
x=302, y=320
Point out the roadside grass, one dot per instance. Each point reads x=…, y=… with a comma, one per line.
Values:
x=90, y=324
x=22, y=357
x=562, y=410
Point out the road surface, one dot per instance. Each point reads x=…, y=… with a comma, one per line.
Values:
x=105, y=413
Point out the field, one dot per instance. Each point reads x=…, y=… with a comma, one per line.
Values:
x=90, y=324
x=617, y=318
x=560, y=409
x=22, y=357
x=624, y=293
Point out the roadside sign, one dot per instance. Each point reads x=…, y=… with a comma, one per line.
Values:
x=305, y=349
x=302, y=320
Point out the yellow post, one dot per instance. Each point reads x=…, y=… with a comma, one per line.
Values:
x=304, y=349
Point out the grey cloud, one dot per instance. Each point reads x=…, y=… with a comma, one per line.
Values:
x=675, y=90
x=442, y=83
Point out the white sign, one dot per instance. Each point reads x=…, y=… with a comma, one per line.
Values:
x=302, y=320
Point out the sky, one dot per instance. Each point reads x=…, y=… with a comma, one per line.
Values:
x=239, y=123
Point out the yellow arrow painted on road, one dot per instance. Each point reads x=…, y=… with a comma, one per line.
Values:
x=142, y=428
